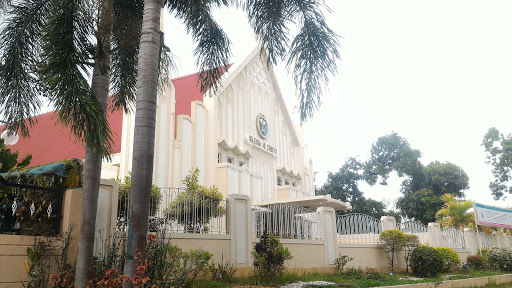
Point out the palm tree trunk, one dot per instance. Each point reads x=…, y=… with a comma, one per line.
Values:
x=92, y=170
x=144, y=132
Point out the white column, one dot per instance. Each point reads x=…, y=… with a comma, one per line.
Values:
x=434, y=235
x=388, y=223
x=327, y=225
x=239, y=228
x=469, y=237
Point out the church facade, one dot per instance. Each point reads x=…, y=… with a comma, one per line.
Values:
x=242, y=139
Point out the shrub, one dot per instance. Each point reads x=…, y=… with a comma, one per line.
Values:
x=451, y=260
x=165, y=265
x=426, y=261
x=411, y=242
x=393, y=242
x=124, y=192
x=476, y=262
x=196, y=205
x=269, y=256
x=223, y=272
x=341, y=261
x=500, y=259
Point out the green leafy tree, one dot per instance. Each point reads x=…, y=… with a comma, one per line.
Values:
x=421, y=205
x=455, y=212
x=393, y=241
x=311, y=57
x=498, y=149
x=73, y=53
x=196, y=205
x=392, y=153
x=423, y=186
x=343, y=185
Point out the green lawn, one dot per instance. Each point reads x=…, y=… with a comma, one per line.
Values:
x=350, y=278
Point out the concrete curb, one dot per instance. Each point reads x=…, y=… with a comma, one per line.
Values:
x=470, y=282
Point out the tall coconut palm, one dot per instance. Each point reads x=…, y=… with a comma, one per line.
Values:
x=311, y=57
x=48, y=49
x=455, y=212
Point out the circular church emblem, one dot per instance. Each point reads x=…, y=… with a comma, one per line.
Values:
x=262, y=126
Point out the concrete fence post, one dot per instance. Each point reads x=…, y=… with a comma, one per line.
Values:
x=497, y=239
x=239, y=221
x=470, y=238
x=435, y=238
x=327, y=224
x=388, y=223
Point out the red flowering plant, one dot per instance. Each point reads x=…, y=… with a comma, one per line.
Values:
x=63, y=279
x=159, y=265
x=113, y=278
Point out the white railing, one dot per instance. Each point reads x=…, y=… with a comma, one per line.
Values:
x=485, y=241
x=285, y=221
x=358, y=228
x=416, y=228
x=453, y=238
x=178, y=211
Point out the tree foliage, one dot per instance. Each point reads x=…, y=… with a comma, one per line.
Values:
x=455, y=212
x=391, y=153
x=498, y=149
x=421, y=205
x=423, y=186
x=343, y=185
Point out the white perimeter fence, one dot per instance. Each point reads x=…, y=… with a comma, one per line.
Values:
x=364, y=229
x=179, y=211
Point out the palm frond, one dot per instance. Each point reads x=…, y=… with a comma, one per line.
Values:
x=313, y=54
x=20, y=45
x=167, y=67
x=269, y=20
x=126, y=31
x=213, y=47
x=65, y=54
x=4, y=5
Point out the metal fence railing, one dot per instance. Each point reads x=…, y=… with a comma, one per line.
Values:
x=453, y=238
x=358, y=228
x=179, y=211
x=416, y=228
x=485, y=241
x=30, y=210
x=285, y=221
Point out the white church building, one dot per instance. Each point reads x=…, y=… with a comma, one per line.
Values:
x=242, y=139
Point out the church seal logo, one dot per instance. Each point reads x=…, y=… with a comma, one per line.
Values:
x=262, y=126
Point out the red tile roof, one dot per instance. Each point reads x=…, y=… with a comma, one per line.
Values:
x=187, y=90
x=49, y=141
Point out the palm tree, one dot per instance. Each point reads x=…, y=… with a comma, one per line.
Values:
x=48, y=48
x=455, y=212
x=311, y=57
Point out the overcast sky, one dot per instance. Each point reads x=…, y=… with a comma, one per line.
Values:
x=436, y=72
